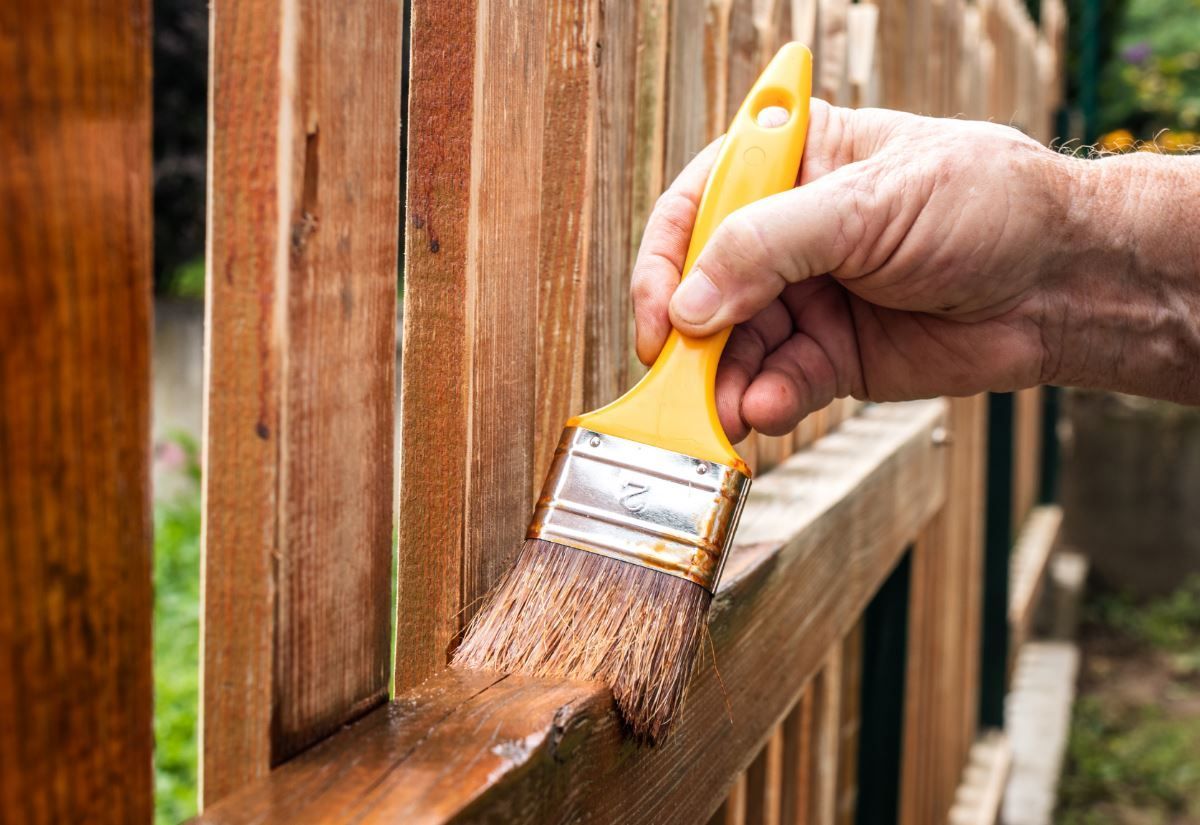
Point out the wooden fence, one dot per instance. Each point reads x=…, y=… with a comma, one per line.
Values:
x=867, y=616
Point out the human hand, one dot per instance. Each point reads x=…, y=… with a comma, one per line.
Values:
x=917, y=257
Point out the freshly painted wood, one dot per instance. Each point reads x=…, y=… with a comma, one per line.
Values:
x=436, y=364
x=568, y=174
x=75, y=597
x=303, y=206
x=819, y=534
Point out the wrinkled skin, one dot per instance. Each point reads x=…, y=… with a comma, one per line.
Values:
x=921, y=257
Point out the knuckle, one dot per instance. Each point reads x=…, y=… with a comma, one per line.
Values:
x=676, y=213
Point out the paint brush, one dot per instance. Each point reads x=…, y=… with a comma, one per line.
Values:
x=638, y=512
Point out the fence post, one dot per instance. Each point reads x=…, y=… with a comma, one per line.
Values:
x=299, y=379
x=75, y=597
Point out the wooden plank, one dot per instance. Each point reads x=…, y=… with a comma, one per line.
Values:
x=436, y=358
x=894, y=32
x=1035, y=544
x=300, y=378
x=753, y=37
x=75, y=597
x=566, y=221
x=827, y=736
x=609, y=328
x=849, y=727
x=830, y=71
x=969, y=420
x=1027, y=453
x=880, y=739
x=697, y=91
x=981, y=793
x=797, y=762
x=764, y=783
x=818, y=536
x=733, y=809
x=941, y=662
x=469, y=370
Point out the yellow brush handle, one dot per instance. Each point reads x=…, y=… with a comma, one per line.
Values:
x=674, y=405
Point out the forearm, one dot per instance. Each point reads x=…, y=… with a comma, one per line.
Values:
x=1124, y=312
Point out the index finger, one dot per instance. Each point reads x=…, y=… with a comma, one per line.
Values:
x=659, y=264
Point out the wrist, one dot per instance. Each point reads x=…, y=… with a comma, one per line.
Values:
x=1122, y=305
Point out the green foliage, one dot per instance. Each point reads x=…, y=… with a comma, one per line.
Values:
x=1129, y=759
x=1129, y=756
x=177, y=647
x=187, y=281
x=1170, y=624
x=1151, y=82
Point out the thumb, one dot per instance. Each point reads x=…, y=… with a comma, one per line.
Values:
x=765, y=246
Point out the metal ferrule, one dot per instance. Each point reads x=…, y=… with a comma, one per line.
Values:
x=640, y=504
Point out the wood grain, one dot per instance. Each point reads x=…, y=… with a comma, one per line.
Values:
x=435, y=367
x=1035, y=544
x=569, y=106
x=469, y=374
x=819, y=535
x=697, y=80
x=764, y=782
x=75, y=252
x=1027, y=453
x=797, y=762
x=944, y=610
x=608, y=325
x=506, y=185
x=303, y=207
x=827, y=734
x=649, y=126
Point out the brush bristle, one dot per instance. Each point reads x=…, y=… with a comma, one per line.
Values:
x=568, y=613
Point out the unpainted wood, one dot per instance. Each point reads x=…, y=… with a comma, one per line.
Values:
x=830, y=730
x=764, y=782
x=733, y=810
x=568, y=177
x=1035, y=545
x=503, y=257
x=304, y=175
x=697, y=80
x=849, y=725
x=943, y=608
x=76, y=739
x=608, y=324
x=797, y=762
x=985, y=775
x=1027, y=452
x=819, y=534
x=649, y=133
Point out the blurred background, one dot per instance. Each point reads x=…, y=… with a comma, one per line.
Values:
x=1129, y=477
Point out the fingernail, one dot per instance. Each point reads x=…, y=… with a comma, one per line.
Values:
x=697, y=298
